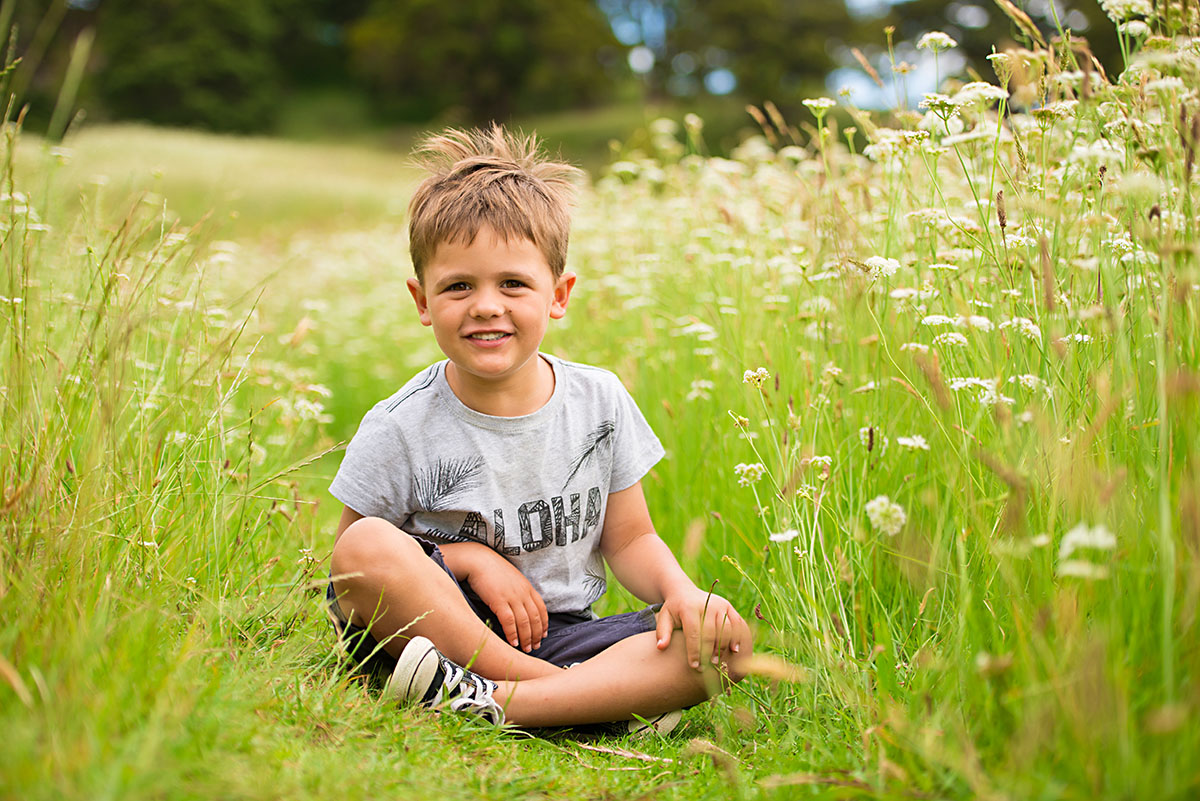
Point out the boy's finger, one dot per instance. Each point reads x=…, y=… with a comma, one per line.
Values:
x=663, y=629
x=537, y=629
x=542, y=614
x=524, y=634
x=692, y=635
x=508, y=623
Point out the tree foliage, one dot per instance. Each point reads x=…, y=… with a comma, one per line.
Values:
x=482, y=59
x=777, y=49
x=190, y=62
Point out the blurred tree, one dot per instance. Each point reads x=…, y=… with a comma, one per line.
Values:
x=756, y=50
x=311, y=48
x=482, y=59
x=978, y=25
x=777, y=50
x=190, y=62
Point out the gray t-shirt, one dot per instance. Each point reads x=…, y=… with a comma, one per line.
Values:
x=533, y=488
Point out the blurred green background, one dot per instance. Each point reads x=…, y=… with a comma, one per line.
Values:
x=582, y=72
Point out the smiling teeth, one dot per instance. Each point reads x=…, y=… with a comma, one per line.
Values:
x=488, y=337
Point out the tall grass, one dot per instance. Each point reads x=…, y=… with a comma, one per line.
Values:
x=961, y=493
x=971, y=444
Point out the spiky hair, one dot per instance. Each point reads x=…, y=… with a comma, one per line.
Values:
x=494, y=178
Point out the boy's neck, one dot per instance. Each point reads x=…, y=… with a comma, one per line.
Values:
x=516, y=396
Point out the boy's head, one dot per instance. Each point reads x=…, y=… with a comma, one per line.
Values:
x=490, y=179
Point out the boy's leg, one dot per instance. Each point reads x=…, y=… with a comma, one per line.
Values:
x=630, y=678
x=390, y=584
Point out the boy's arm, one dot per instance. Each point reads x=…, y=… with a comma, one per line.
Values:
x=504, y=588
x=645, y=566
x=498, y=584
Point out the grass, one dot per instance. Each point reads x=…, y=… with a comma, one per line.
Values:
x=1009, y=611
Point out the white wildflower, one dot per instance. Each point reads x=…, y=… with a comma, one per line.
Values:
x=819, y=105
x=941, y=265
x=991, y=396
x=1121, y=10
x=914, y=443
x=940, y=104
x=886, y=517
x=950, y=338
x=979, y=92
x=1085, y=536
x=1031, y=382
x=957, y=384
x=695, y=328
x=1135, y=29
x=975, y=321
x=821, y=461
x=1081, y=338
x=700, y=389
x=937, y=320
x=749, y=473
x=916, y=347
x=817, y=304
x=1024, y=326
x=310, y=410
x=882, y=267
x=1171, y=85
x=936, y=40
x=755, y=377
x=784, y=536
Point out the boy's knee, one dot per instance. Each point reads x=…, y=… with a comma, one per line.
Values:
x=368, y=546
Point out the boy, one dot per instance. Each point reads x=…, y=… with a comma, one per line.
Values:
x=483, y=499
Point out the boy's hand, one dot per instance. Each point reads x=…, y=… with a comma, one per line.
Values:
x=513, y=599
x=710, y=625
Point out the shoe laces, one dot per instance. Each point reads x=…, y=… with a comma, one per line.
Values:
x=464, y=690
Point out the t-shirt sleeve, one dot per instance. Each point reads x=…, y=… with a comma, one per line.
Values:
x=374, y=477
x=637, y=448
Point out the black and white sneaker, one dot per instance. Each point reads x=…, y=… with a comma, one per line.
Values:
x=657, y=724
x=427, y=677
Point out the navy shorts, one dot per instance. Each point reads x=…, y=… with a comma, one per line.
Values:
x=570, y=637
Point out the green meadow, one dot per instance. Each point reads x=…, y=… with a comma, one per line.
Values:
x=927, y=382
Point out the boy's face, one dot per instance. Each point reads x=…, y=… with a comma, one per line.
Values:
x=489, y=304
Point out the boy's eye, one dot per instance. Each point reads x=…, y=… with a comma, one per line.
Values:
x=513, y=283
x=457, y=286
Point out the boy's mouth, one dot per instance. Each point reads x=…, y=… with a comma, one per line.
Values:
x=488, y=336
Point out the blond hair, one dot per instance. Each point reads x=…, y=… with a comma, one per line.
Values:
x=490, y=178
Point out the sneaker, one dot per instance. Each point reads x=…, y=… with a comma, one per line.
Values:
x=657, y=724
x=427, y=677
x=638, y=727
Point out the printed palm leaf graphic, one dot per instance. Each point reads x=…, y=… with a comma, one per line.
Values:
x=435, y=486
x=437, y=535
x=594, y=580
x=595, y=442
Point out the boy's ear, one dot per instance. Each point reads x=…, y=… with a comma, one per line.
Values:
x=562, y=294
x=418, y=293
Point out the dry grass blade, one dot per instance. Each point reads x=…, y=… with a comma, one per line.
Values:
x=623, y=752
x=14, y=679
x=775, y=667
x=1022, y=21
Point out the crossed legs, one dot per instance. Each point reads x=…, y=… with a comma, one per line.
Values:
x=384, y=579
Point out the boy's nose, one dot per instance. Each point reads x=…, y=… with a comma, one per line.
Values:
x=487, y=304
